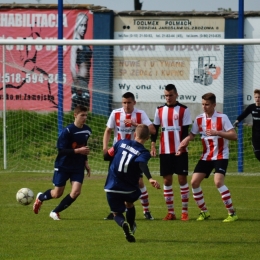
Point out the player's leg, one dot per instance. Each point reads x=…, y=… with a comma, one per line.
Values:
x=219, y=177
x=116, y=202
x=144, y=199
x=110, y=216
x=168, y=197
x=166, y=171
x=59, y=181
x=76, y=184
x=181, y=168
x=130, y=209
x=201, y=171
x=256, y=148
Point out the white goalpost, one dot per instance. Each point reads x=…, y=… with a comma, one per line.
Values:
x=29, y=92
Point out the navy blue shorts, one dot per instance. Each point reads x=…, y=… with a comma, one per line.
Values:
x=206, y=167
x=116, y=201
x=170, y=164
x=60, y=177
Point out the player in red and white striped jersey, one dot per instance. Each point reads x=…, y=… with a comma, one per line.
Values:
x=123, y=122
x=215, y=130
x=174, y=119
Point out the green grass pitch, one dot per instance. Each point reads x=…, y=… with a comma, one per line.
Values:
x=83, y=234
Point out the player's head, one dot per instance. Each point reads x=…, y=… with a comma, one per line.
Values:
x=142, y=132
x=128, y=102
x=80, y=115
x=209, y=97
x=80, y=108
x=81, y=24
x=170, y=94
x=257, y=96
x=209, y=103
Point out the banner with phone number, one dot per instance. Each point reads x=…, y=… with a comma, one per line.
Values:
x=31, y=72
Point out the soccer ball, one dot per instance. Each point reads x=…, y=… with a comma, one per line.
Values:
x=24, y=196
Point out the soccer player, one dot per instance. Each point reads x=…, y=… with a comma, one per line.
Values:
x=122, y=122
x=174, y=119
x=215, y=130
x=129, y=159
x=254, y=110
x=70, y=163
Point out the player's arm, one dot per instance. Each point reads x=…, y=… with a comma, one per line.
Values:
x=185, y=142
x=185, y=131
x=153, y=140
x=144, y=168
x=242, y=116
x=106, y=138
x=109, y=155
x=82, y=150
x=87, y=168
x=152, y=129
x=62, y=145
x=182, y=149
x=229, y=135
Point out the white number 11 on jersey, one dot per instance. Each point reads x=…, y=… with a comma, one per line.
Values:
x=123, y=165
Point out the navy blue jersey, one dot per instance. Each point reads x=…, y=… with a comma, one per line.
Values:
x=72, y=137
x=255, y=112
x=124, y=172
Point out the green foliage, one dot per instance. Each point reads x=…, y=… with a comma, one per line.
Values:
x=32, y=136
x=83, y=234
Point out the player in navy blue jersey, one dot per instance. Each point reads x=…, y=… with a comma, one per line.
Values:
x=129, y=158
x=254, y=110
x=70, y=163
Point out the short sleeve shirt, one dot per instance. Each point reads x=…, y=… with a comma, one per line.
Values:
x=122, y=130
x=214, y=147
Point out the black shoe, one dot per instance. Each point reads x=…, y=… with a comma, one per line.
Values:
x=110, y=216
x=148, y=215
x=128, y=232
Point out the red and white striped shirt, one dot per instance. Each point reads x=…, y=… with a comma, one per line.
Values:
x=122, y=130
x=171, y=119
x=214, y=147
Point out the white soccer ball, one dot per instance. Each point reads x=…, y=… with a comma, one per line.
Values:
x=24, y=196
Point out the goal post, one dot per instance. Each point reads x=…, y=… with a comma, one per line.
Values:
x=143, y=67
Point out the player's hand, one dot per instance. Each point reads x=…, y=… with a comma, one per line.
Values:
x=87, y=169
x=155, y=184
x=183, y=144
x=128, y=122
x=235, y=124
x=83, y=150
x=179, y=152
x=211, y=132
x=153, y=151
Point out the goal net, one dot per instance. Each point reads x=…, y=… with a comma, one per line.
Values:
x=36, y=96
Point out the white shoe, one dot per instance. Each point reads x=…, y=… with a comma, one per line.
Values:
x=55, y=215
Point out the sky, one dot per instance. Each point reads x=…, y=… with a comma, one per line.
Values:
x=158, y=5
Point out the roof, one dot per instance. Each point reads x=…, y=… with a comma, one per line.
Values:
x=97, y=8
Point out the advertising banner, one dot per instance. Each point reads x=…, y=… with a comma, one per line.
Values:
x=31, y=71
x=251, y=60
x=146, y=69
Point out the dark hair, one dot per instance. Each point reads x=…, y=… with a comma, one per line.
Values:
x=257, y=91
x=171, y=87
x=209, y=96
x=80, y=108
x=129, y=95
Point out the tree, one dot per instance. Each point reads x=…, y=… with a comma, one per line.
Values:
x=224, y=10
x=138, y=5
